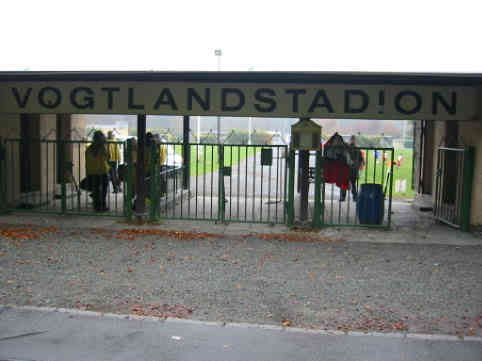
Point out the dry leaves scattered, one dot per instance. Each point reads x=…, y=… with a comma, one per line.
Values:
x=162, y=311
x=15, y=234
x=132, y=234
x=375, y=324
x=292, y=237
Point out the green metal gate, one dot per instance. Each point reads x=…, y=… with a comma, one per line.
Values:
x=326, y=204
x=43, y=175
x=453, y=194
x=227, y=183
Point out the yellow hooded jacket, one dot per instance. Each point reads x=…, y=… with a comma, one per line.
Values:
x=96, y=164
x=114, y=152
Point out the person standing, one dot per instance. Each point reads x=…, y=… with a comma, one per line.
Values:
x=355, y=161
x=97, y=170
x=114, y=160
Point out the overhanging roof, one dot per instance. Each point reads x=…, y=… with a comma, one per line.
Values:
x=448, y=79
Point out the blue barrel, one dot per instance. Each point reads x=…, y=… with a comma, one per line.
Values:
x=370, y=205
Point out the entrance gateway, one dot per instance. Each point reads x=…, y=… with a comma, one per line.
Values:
x=226, y=182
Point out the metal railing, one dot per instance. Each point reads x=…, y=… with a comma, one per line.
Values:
x=227, y=183
x=455, y=169
x=44, y=176
x=339, y=196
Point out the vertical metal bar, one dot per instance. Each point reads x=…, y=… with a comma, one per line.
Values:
x=460, y=185
x=176, y=186
x=348, y=207
x=269, y=187
x=61, y=145
x=366, y=165
x=78, y=198
x=443, y=178
x=221, y=198
x=130, y=180
x=13, y=169
x=390, y=193
x=468, y=176
x=212, y=174
x=124, y=181
x=41, y=183
x=204, y=181
x=285, y=179
x=317, y=209
x=375, y=153
x=239, y=181
x=436, y=208
x=3, y=180
x=55, y=175
x=184, y=152
x=291, y=188
x=230, y=180
x=277, y=183
x=151, y=188
x=332, y=203
x=169, y=177
x=340, y=205
x=246, y=186
x=304, y=164
x=253, y=215
x=189, y=193
x=186, y=149
x=383, y=170
x=322, y=207
x=197, y=176
x=261, y=199
x=141, y=171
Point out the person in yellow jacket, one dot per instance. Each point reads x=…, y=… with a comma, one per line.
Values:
x=150, y=141
x=97, y=170
x=114, y=160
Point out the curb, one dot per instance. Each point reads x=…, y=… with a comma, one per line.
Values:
x=408, y=336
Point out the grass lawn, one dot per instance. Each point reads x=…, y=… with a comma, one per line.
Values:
x=206, y=161
x=376, y=171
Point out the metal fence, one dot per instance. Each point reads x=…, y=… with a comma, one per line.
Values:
x=329, y=206
x=42, y=175
x=455, y=167
x=227, y=183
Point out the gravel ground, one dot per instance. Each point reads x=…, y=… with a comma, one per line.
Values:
x=270, y=279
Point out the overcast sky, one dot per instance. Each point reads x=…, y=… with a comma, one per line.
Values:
x=320, y=35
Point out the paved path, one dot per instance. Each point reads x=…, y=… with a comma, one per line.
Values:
x=74, y=336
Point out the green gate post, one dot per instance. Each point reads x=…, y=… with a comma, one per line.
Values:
x=154, y=190
x=129, y=180
x=468, y=176
x=3, y=178
x=290, y=206
x=63, y=186
x=390, y=190
x=317, y=211
x=221, y=197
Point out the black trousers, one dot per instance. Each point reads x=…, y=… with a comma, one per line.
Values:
x=114, y=176
x=353, y=180
x=99, y=190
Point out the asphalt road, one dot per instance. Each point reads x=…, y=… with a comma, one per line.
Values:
x=46, y=335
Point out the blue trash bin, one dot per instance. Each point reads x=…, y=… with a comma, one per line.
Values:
x=370, y=205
